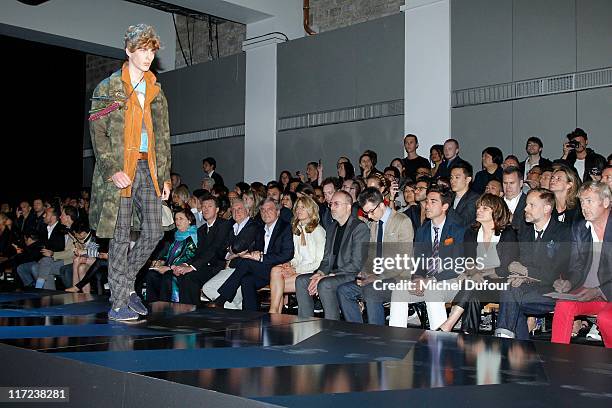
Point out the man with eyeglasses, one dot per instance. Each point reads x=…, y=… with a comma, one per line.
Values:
x=416, y=213
x=343, y=258
x=388, y=228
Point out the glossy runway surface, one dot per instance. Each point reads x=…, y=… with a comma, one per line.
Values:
x=288, y=361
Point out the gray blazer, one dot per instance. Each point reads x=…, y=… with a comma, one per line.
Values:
x=353, y=249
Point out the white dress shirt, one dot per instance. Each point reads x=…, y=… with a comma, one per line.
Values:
x=269, y=230
x=50, y=229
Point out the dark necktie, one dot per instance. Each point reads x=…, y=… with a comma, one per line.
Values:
x=379, y=239
x=539, y=237
x=432, y=268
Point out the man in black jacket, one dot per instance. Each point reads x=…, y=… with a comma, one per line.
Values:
x=209, y=165
x=579, y=157
x=589, y=275
x=209, y=258
x=533, y=147
x=451, y=158
x=273, y=246
x=544, y=257
x=464, y=199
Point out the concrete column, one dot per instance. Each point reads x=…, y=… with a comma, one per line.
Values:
x=260, y=108
x=427, y=67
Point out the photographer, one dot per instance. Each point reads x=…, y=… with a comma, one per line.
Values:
x=582, y=159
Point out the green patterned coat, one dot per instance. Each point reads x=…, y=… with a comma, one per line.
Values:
x=107, y=138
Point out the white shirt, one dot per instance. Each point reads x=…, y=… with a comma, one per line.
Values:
x=307, y=258
x=433, y=232
x=238, y=227
x=489, y=255
x=384, y=219
x=535, y=231
x=50, y=229
x=579, y=166
x=512, y=203
x=592, y=280
x=529, y=166
x=268, y=235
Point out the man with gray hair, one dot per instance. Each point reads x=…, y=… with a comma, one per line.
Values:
x=207, y=183
x=131, y=141
x=273, y=246
x=589, y=275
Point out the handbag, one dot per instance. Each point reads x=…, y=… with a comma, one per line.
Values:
x=167, y=217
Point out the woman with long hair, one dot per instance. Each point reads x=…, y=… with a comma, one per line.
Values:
x=309, y=244
x=252, y=199
x=564, y=183
x=436, y=156
x=492, y=240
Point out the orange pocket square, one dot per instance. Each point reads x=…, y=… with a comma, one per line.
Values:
x=449, y=241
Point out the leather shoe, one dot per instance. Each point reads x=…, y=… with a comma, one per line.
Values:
x=212, y=305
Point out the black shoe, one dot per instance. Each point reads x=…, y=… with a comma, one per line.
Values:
x=318, y=306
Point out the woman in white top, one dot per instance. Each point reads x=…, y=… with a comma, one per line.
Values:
x=309, y=244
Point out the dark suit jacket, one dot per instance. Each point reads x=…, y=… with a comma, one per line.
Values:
x=218, y=179
x=244, y=241
x=57, y=241
x=451, y=246
x=445, y=167
x=353, y=248
x=280, y=247
x=518, y=217
x=507, y=248
x=582, y=257
x=212, y=245
x=547, y=260
x=466, y=208
x=414, y=213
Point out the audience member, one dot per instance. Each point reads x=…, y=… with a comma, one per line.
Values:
x=492, y=158
x=391, y=233
x=451, y=158
x=209, y=165
x=514, y=197
x=308, y=244
x=436, y=156
x=578, y=156
x=413, y=161
x=543, y=258
x=533, y=148
x=565, y=184
x=464, y=199
x=589, y=275
x=439, y=238
x=343, y=258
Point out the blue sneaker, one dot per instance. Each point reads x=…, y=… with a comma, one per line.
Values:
x=122, y=314
x=136, y=305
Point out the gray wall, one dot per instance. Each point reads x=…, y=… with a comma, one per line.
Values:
x=358, y=65
x=201, y=97
x=509, y=40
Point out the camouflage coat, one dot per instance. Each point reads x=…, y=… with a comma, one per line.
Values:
x=107, y=137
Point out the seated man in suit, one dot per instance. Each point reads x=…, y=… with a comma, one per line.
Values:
x=273, y=246
x=514, y=197
x=343, y=258
x=53, y=239
x=440, y=238
x=464, y=203
x=210, y=253
x=242, y=238
x=391, y=232
x=543, y=258
x=590, y=270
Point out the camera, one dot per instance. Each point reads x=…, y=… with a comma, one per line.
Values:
x=573, y=144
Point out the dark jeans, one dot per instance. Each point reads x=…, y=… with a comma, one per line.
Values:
x=517, y=303
x=350, y=293
x=250, y=275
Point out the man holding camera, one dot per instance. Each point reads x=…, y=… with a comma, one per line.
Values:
x=582, y=159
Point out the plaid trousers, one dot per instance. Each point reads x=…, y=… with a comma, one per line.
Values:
x=123, y=262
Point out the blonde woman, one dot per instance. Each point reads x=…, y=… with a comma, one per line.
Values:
x=309, y=244
x=565, y=184
x=251, y=201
